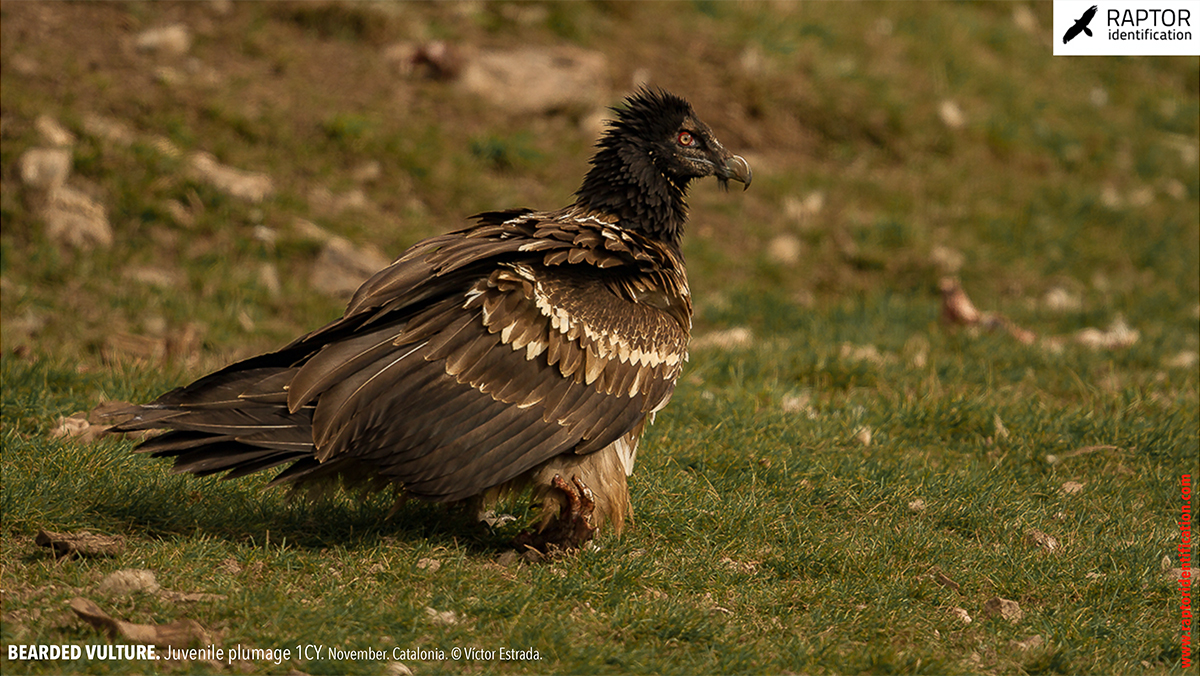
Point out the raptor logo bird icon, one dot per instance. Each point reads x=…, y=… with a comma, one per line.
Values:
x=1081, y=25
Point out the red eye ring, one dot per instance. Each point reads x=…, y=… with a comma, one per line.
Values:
x=685, y=138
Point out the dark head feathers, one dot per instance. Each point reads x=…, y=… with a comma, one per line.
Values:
x=648, y=155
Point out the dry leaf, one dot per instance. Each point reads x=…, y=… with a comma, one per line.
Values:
x=941, y=579
x=429, y=565
x=1071, y=488
x=957, y=308
x=1043, y=540
x=189, y=597
x=917, y=505
x=1001, y=430
x=80, y=544
x=178, y=634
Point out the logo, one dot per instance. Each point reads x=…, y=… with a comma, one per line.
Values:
x=1081, y=25
x=1126, y=28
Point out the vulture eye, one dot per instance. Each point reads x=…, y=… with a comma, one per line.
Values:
x=686, y=139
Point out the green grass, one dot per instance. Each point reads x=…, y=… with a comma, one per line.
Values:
x=768, y=537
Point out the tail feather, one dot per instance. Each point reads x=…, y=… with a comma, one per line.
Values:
x=236, y=422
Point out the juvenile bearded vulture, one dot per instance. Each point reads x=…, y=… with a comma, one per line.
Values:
x=527, y=350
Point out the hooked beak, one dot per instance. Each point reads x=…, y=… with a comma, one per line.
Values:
x=736, y=168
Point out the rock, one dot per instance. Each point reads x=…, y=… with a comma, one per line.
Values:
x=532, y=80
x=342, y=268
x=951, y=114
x=442, y=618
x=1025, y=19
x=53, y=132
x=946, y=259
x=1009, y=610
x=1035, y=641
x=109, y=129
x=160, y=278
x=802, y=209
x=171, y=40
x=784, y=249
x=1117, y=336
x=863, y=435
x=1043, y=540
x=128, y=581
x=1059, y=299
x=435, y=59
x=74, y=219
x=45, y=168
x=247, y=185
x=725, y=339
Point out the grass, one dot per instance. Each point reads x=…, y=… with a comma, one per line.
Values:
x=769, y=538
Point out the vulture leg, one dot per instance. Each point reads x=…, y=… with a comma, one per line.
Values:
x=573, y=527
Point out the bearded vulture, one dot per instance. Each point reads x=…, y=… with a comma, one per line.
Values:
x=528, y=350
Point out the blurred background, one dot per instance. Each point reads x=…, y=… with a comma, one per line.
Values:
x=187, y=183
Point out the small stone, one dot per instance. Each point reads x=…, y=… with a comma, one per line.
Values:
x=1035, y=641
x=341, y=267
x=725, y=339
x=45, y=168
x=53, y=132
x=125, y=582
x=1025, y=19
x=784, y=249
x=443, y=618
x=1009, y=610
x=538, y=80
x=960, y=615
x=946, y=260
x=74, y=219
x=171, y=40
x=863, y=436
x=109, y=129
x=951, y=114
x=1042, y=540
x=1059, y=299
x=247, y=185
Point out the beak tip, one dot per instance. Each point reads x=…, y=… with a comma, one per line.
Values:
x=739, y=170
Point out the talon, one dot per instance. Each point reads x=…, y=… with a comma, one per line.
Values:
x=573, y=527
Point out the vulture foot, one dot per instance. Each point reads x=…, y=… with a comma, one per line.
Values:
x=573, y=527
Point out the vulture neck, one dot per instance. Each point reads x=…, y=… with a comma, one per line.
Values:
x=624, y=182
